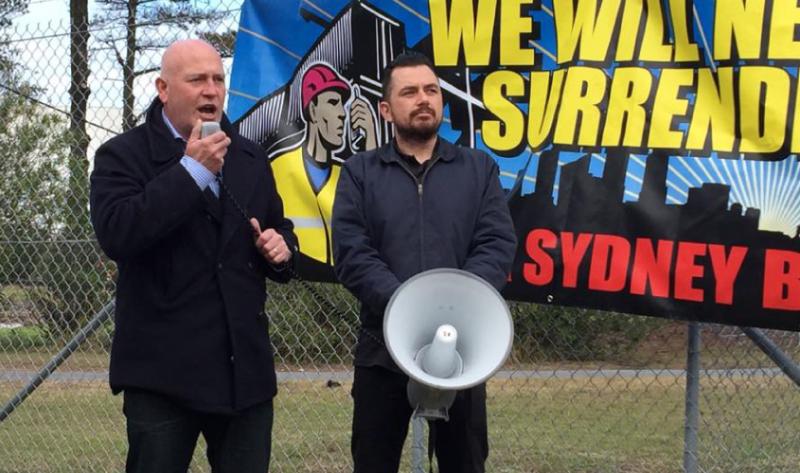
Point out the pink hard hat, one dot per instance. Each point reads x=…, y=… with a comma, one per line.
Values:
x=319, y=78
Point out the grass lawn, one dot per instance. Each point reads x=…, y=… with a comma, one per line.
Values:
x=554, y=425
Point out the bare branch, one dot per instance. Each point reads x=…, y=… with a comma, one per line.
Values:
x=145, y=71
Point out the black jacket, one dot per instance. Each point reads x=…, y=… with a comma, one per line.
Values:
x=389, y=225
x=190, y=320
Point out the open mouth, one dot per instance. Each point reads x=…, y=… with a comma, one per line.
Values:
x=207, y=109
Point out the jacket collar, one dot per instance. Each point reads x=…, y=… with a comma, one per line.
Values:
x=444, y=150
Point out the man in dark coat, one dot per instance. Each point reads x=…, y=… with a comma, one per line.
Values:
x=415, y=204
x=182, y=216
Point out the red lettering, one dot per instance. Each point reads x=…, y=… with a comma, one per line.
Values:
x=609, y=268
x=651, y=266
x=725, y=271
x=781, y=280
x=686, y=271
x=540, y=271
x=572, y=253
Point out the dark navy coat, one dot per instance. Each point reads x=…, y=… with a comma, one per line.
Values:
x=190, y=320
x=389, y=225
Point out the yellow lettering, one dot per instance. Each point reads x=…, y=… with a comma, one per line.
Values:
x=763, y=105
x=587, y=25
x=714, y=111
x=545, y=90
x=785, y=17
x=513, y=27
x=796, y=124
x=685, y=50
x=462, y=28
x=584, y=89
x=668, y=105
x=630, y=89
x=740, y=20
x=653, y=47
x=629, y=31
x=506, y=133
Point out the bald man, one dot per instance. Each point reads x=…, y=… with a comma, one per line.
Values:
x=195, y=226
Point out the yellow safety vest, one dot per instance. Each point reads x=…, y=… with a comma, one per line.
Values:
x=309, y=211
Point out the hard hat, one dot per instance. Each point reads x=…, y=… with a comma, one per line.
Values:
x=319, y=78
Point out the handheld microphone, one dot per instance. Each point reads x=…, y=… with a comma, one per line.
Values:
x=209, y=128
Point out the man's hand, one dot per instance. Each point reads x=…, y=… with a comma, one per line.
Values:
x=209, y=151
x=270, y=244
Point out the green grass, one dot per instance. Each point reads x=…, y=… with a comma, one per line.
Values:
x=536, y=426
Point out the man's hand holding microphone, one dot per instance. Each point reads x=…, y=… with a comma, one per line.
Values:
x=208, y=147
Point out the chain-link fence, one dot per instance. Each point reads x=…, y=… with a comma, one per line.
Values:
x=583, y=391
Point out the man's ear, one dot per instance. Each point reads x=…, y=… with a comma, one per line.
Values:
x=161, y=87
x=386, y=110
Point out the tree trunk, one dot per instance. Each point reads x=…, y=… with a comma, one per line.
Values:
x=77, y=205
x=129, y=69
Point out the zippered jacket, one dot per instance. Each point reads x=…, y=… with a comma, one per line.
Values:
x=389, y=225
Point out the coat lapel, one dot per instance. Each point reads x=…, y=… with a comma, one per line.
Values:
x=213, y=205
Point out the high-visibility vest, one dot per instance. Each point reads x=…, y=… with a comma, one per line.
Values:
x=309, y=211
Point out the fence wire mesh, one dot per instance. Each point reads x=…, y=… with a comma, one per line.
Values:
x=584, y=391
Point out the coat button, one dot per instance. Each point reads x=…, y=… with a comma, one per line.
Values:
x=232, y=358
x=219, y=265
x=250, y=264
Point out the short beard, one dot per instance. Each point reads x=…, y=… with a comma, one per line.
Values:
x=418, y=134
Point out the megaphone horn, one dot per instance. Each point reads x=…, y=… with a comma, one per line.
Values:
x=448, y=330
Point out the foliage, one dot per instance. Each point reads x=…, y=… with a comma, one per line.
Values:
x=32, y=148
x=224, y=42
x=23, y=338
x=8, y=10
x=559, y=333
x=44, y=228
x=74, y=283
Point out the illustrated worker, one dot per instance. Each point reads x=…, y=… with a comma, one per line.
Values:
x=307, y=175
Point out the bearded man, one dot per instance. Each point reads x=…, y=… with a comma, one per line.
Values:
x=415, y=204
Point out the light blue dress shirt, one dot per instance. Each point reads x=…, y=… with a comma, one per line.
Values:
x=202, y=176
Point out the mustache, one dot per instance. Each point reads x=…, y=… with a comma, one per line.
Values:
x=423, y=109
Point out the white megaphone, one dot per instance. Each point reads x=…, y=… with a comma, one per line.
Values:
x=448, y=330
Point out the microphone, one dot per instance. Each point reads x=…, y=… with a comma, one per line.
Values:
x=441, y=358
x=209, y=128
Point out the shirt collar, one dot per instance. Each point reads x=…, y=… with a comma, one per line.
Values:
x=171, y=128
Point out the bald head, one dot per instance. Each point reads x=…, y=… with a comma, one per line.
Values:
x=192, y=84
x=181, y=51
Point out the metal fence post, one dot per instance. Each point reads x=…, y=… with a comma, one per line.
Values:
x=692, y=406
x=57, y=360
x=417, y=444
x=772, y=350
